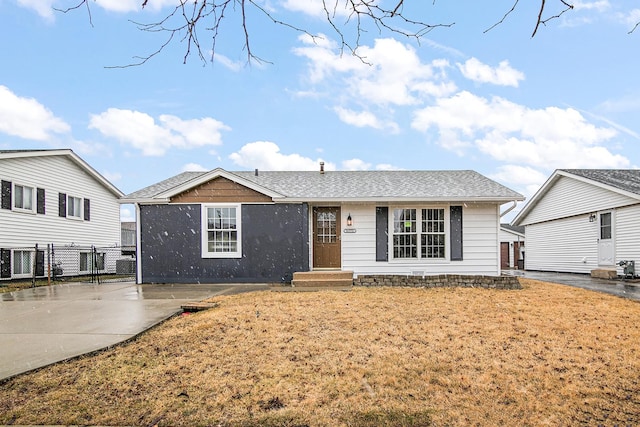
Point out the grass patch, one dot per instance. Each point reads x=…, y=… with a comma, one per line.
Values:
x=545, y=355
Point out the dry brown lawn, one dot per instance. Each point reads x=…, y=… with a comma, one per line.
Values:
x=545, y=355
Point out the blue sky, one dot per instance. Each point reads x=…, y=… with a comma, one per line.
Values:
x=507, y=105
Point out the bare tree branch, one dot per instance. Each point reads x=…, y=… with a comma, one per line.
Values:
x=634, y=28
x=190, y=17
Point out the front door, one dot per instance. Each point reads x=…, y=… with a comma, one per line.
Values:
x=605, y=242
x=326, y=238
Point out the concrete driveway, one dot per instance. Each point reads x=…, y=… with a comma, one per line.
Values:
x=623, y=288
x=44, y=325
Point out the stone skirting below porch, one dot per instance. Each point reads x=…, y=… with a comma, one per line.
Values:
x=441, y=280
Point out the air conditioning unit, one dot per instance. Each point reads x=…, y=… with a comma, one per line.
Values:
x=629, y=268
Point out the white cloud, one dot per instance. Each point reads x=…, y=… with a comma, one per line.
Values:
x=394, y=74
x=228, y=63
x=598, y=5
x=194, y=167
x=265, y=155
x=355, y=165
x=546, y=138
x=141, y=131
x=126, y=214
x=316, y=9
x=44, y=8
x=387, y=167
x=27, y=118
x=124, y=6
x=112, y=176
x=526, y=179
x=502, y=75
x=364, y=119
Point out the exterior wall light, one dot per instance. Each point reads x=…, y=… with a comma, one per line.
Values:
x=592, y=217
x=349, y=221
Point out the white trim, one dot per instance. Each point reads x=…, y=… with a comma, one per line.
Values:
x=419, y=258
x=205, y=235
x=34, y=199
x=64, y=152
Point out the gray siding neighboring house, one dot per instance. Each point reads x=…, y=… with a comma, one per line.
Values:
x=222, y=226
x=582, y=220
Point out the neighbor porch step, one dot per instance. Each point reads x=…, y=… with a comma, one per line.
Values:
x=323, y=279
x=604, y=273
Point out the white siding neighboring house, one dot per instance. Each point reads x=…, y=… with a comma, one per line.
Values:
x=511, y=246
x=52, y=197
x=583, y=220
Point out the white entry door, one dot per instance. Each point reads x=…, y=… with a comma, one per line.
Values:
x=606, y=253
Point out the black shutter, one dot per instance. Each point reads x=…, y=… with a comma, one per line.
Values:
x=382, y=234
x=5, y=195
x=5, y=263
x=87, y=205
x=39, y=263
x=62, y=205
x=40, y=201
x=455, y=219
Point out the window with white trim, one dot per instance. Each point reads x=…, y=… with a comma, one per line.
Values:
x=91, y=261
x=221, y=231
x=23, y=197
x=22, y=263
x=74, y=207
x=419, y=233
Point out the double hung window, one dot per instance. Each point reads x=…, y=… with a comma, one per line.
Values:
x=74, y=207
x=23, y=197
x=419, y=233
x=221, y=234
x=22, y=263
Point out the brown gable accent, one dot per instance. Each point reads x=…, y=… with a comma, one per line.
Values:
x=221, y=190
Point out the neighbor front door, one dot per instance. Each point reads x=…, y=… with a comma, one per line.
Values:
x=606, y=247
x=326, y=237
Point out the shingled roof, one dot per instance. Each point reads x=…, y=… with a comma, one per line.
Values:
x=464, y=185
x=622, y=179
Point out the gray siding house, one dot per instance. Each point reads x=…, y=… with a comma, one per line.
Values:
x=582, y=220
x=222, y=226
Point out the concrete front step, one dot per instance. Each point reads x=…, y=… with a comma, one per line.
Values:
x=604, y=273
x=323, y=279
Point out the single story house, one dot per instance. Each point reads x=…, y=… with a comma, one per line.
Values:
x=583, y=220
x=262, y=226
x=511, y=246
x=53, y=198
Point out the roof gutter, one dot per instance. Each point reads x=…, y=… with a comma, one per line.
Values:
x=510, y=208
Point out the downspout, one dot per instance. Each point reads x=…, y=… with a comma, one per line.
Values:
x=509, y=209
x=138, y=247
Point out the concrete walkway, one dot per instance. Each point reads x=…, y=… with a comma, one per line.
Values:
x=619, y=287
x=44, y=325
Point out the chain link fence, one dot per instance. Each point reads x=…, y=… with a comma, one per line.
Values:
x=65, y=263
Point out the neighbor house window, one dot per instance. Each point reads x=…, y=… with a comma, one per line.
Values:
x=22, y=262
x=221, y=231
x=74, y=207
x=90, y=261
x=419, y=233
x=23, y=197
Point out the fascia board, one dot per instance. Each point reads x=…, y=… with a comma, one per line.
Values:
x=216, y=173
x=143, y=201
x=601, y=185
x=512, y=232
x=396, y=200
x=74, y=158
x=533, y=201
